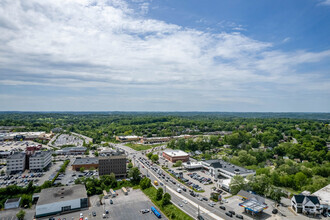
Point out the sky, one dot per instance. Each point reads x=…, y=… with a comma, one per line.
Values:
x=165, y=55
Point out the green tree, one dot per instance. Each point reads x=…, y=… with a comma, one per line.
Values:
x=26, y=200
x=236, y=184
x=130, y=165
x=159, y=194
x=145, y=183
x=20, y=215
x=154, y=158
x=134, y=173
x=149, y=155
x=178, y=163
x=299, y=179
x=82, y=169
x=166, y=199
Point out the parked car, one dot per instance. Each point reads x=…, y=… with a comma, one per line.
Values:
x=222, y=207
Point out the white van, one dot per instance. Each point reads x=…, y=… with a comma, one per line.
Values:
x=178, y=190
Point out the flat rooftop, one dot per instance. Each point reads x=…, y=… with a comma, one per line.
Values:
x=41, y=154
x=228, y=166
x=253, y=205
x=324, y=195
x=176, y=153
x=63, y=193
x=20, y=155
x=86, y=160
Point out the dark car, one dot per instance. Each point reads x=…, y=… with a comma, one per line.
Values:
x=200, y=217
x=222, y=207
x=239, y=216
x=229, y=214
x=275, y=211
x=111, y=202
x=206, y=199
x=94, y=213
x=52, y=218
x=232, y=212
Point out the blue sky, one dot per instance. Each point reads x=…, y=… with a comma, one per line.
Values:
x=165, y=55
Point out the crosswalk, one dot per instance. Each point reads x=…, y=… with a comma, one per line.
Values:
x=8, y=218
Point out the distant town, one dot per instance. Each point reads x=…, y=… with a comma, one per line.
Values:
x=210, y=169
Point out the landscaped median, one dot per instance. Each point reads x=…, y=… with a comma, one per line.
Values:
x=170, y=210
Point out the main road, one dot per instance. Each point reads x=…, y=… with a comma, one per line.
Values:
x=191, y=208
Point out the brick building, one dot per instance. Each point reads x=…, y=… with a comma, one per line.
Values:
x=175, y=155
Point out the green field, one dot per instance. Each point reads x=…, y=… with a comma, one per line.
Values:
x=171, y=211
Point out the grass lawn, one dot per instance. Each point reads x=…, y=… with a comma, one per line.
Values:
x=171, y=211
x=139, y=147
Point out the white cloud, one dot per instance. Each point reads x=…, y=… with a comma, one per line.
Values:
x=325, y=2
x=107, y=44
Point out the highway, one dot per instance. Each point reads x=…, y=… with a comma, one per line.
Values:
x=191, y=208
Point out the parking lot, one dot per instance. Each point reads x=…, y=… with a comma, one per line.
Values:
x=123, y=208
x=18, y=145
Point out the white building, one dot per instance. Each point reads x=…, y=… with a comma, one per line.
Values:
x=15, y=163
x=40, y=160
x=306, y=204
x=53, y=201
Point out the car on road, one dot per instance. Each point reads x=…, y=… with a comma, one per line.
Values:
x=222, y=207
x=239, y=216
x=212, y=204
x=229, y=214
x=184, y=201
x=81, y=215
x=111, y=202
x=94, y=213
x=232, y=212
x=179, y=204
x=206, y=199
x=275, y=211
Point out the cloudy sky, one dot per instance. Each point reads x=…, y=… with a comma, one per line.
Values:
x=165, y=55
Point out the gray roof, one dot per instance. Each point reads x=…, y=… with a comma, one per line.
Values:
x=74, y=149
x=13, y=200
x=41, y=154
x=86, y=160
x=248, y=195
x=63, y=193
x=16, y=156
x=228, y=166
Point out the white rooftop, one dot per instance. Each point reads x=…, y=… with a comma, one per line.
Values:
x=324, y=195
x=175, y=153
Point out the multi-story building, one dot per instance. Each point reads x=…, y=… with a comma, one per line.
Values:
x=72, y=151
x=112, y=164
x=16, y=163
x=40, y=160
x=175, y=155
x=86, y=163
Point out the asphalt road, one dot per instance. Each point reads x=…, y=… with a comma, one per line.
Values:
x=191, y=208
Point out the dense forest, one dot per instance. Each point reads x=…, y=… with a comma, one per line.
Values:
x=288, y=150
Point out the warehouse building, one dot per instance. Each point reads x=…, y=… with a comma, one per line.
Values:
x=128, y=138
x=175, y=155
x=86, y=162
x=113, y=164
x=53, y=201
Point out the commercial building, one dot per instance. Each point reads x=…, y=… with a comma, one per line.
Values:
x=40, y=160
x=57, y=200
x=112, y=164
x=86, y=163
x=12, y=203
x=253, y=204
x=17, y=136
x=16, y=163
x=127, y=138
x=175, y=155
x=222, y=168
x=72, y=151
x=324, y=196
x=306, y=204
x=155, y=140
